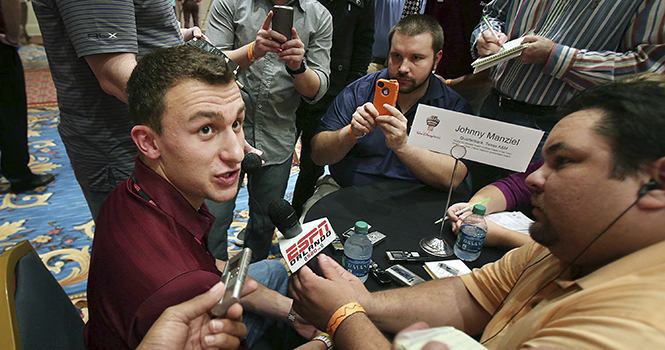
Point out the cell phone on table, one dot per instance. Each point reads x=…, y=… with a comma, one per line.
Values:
x=234, y=276
x=282, y=20
x=385, y=92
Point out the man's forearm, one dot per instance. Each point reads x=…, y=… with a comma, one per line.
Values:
x=307, y=83
x=434, y=169
x=240, y=57
x=441, y=302
x=329, y=147
x=113, y=71
x=358, y=332
x=267, y=302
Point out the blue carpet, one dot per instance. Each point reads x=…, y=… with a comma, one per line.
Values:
x=55, y=218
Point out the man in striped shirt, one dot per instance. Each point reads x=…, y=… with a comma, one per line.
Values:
x=573, y=45
x=92, y=48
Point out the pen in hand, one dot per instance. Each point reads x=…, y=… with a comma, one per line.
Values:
x=489, y=25
x=464, y=210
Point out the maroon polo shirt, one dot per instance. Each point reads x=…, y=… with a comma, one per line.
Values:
x=147, y=255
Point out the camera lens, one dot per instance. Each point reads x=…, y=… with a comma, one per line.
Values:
x=381, y=84
x=385, y=91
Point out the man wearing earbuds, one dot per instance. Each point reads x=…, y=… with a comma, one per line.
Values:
x=593, y=278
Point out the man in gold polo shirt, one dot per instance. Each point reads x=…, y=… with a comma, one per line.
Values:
x=595, y=275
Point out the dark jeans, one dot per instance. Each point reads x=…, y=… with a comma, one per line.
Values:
x=307, y=120
x=191, y=8
x=264, y=186
x=13, y=115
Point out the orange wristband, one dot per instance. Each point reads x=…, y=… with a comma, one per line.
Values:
x=448, y=81
x=250, y=52
x=351, y=132
x=342, y=314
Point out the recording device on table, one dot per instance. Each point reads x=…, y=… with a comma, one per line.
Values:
x=402, y=255
x=380, y=275
x=374, y=237
x=282, y=20
x=403, y=276
x=385, y=92
x=233, y=277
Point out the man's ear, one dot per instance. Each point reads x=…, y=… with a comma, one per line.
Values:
x=655, y=198
x=437, y=59
x=146, y=140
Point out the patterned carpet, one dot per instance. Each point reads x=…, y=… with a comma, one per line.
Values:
x=55, y=218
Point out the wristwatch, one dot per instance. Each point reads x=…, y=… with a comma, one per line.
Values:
x=301, y=69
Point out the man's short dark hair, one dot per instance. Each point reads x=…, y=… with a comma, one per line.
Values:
x=162, y=69
x=633, y=121
x=419, y=24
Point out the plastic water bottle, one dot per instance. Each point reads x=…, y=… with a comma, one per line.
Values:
x=358, y=251
x=471, y=235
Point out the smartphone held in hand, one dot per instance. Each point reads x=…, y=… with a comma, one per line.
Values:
x=385, y=93
x=282, y=20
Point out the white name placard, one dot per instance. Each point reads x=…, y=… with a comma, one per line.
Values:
x=487, y=141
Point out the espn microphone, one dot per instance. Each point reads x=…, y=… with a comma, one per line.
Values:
x=300, y=244
x=251, y=163
x=284, y=217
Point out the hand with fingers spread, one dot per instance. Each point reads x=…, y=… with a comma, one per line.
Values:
x=393, y=127
x=316, y=298
x=267, y=40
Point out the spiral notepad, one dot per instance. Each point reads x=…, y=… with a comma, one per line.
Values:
x=510, y=50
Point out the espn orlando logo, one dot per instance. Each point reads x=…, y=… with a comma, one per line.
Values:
x=309, y=244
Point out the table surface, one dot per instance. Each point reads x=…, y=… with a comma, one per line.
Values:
x=405, y=212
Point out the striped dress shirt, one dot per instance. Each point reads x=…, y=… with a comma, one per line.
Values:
x=596, y=41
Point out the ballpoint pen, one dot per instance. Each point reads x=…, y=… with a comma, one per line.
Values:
x=489, y=25
x=464, y=210
x=453, y=271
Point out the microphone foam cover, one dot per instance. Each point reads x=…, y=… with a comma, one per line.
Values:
x=251, y=163
x=282, y=214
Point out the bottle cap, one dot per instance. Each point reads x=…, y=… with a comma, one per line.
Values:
x=361, y=227
x=479, y=209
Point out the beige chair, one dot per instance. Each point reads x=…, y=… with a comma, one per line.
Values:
x=35, y=312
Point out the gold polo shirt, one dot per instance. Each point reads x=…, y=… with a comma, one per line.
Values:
x=619, y=306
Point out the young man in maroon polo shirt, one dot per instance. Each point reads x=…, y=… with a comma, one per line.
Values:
x=149, y=250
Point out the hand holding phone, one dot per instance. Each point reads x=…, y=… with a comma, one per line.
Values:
x=282, y=20
x=385, y=92
x=234, y=275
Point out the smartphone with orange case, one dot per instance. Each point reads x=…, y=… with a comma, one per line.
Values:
x=385, y=92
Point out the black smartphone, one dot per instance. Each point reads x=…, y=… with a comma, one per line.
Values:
x=235, y=273
x=282, y=20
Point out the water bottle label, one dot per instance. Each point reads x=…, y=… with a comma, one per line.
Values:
x=471, y=238
x=359, y=268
